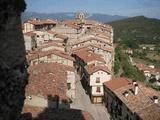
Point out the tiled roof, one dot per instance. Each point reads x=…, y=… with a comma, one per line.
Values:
x=94, y=45
x=94, y=68
x=93, y=38
x=87, y=56
x=147, y=68
x=51, y=43
x=49, y=52
x=151, y=112
x=135, y=103
x=90, y=22
x=117, y=83
x=41, y=22
x=56, y=114
x=30, y=34
x=51, y=32
x=58, y=35
x=71, y=23
x=48, y=79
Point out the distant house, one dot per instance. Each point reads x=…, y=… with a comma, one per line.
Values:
x=149, y=71
x=129, y=51
x=68, y=28
x=86, y=57
x=52, y=45
x=129, y=100
x=37, y=24
x=106, y=53
x=50, y=56
x=49, y=81
x=94, y=77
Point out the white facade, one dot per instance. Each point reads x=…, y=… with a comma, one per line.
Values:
x=97, y=91
x=39, y=37
x=30, y=42
x=71, y=82
x=28, y=27
x=103, y=76
x=96, y=82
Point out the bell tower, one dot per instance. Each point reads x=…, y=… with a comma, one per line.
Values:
x=80, y=16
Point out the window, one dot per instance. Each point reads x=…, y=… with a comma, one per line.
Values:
x=48, y=56
x=98, y=89
x=68, y=86
x=98, y=80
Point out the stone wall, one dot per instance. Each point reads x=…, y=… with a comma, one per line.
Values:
x=13, y=74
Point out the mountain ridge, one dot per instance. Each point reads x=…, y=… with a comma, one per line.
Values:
x=70, y=15
x=140, y=29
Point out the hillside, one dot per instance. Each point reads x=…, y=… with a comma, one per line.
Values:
x=140, y=29
x=69, y=15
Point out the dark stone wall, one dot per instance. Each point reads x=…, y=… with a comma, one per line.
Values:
x=13, y=73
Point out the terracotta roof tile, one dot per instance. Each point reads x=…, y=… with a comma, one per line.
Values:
x=94, y=45
x=40, y=54
x=93, y=68
x=48, y=79
x=135, y=103
x=96, y=38
x=150, y=113
x=87, y=56
x=41, y=22
x=30, y=34
x=117, y=83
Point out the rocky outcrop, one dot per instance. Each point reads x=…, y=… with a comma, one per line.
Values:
x=13, y=73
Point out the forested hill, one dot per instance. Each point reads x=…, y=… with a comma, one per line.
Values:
x=137, y=29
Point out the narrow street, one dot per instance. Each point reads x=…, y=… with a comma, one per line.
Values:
x=82, y=101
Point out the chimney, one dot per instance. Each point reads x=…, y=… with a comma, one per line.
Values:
x=134, y=82
x=126, y=93
x=95, y=63
x=136, y=89
x=155, y=99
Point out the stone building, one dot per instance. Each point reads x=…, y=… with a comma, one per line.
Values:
x=130, y=100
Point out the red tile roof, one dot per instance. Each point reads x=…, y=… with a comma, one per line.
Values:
x=90, y=22
x=30, y=34
x=117, y=83
x=71, y=23
x=40, y=54
x=56, y=114
x=51, y=43
x=87, y=56
x=93, y=45
x=147, y=68
x=136, y=103
x=93, y=38
x=48, y=79
x=41, y=22
x=151, y=112
x=94, y=68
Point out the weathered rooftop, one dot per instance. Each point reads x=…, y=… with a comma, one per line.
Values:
x=140, y=103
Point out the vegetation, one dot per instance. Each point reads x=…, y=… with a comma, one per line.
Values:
x=156, y=87
x=136, y=30
x=152, y=57
x=122, y=62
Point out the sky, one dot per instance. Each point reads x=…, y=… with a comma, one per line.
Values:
x=149, y=8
